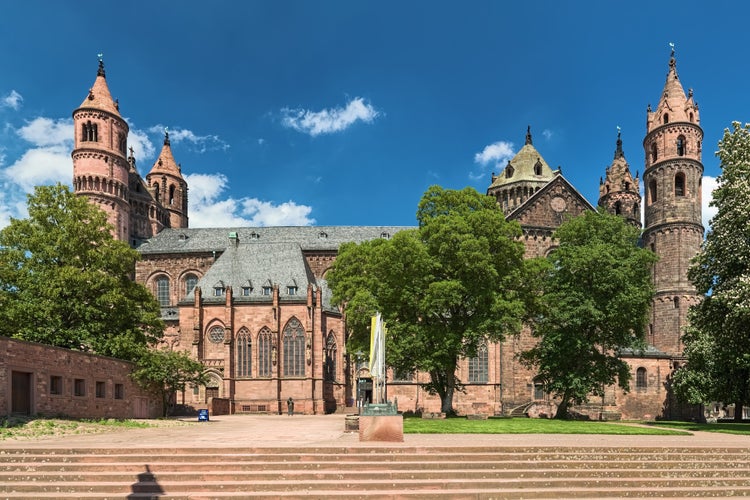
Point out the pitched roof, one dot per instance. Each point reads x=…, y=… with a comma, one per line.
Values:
x=321, y=238
x=527, y=165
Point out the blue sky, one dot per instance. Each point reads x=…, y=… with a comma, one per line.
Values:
x=345, y=112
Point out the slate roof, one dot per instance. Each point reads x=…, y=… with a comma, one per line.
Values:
x=197, y=240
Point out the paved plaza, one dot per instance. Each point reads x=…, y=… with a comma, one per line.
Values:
x=329, y=430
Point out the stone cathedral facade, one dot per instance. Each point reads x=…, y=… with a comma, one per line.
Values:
x=253, y=305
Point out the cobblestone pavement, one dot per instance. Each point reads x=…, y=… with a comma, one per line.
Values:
x=227, y=431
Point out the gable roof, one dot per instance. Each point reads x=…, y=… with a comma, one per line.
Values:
x=540, y=211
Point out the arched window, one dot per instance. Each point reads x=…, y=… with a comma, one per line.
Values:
x=190, y=281
x=653, y=152
x=681, y=145
x=666, y=117
x=244, y=353
x=508, y=172
x=162, y=290
x=293, y=349
x=679, y=184
x=641, y=379
x=171, y=194
x=618, y=208
x=478, y=366
x=652, y=194
x=692, y=117
x=264, y=352
x=329, y=369
x=538, y=168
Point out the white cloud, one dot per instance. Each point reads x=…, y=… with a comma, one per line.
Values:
x=206, y=209
x=328, y=121
x=143, y=148
x=200, y=143
x=497, y=153
x=12, y=100
x=47, y=132
x=708, y=186
x=547, y=133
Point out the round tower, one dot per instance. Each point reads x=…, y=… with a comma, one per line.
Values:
x=672, y=224
x=169, y=188
x=100, y=166
x=619, y=192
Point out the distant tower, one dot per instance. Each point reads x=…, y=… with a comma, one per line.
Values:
x=100, y=168
x=168, y=188
x=619, y=192
x=673, y=228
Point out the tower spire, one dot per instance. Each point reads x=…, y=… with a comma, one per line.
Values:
x=618, y=150
x=100, y=71
x=528, y=135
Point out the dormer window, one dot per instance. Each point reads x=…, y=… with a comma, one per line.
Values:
x=246, y=291
x=508, y=171
x=538, y=167
x=254, y=236
x=219, y=291
x=291, y=290
x=385, y=235
x=322, y=235
x=267, y=290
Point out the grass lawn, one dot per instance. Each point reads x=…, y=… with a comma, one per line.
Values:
x=723, y=427
x=460, y=425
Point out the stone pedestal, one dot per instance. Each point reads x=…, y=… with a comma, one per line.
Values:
x=381, y=428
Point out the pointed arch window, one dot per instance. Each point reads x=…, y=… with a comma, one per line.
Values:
x=264, y=352
x=171, y=194
x=329, y=369
x=641, y=379
x=162, y=291
x=508, y=171
x=679, y=184
x=293, y=349
x=652, y=194
x=244, y=353
x=681, y=145
x=538, y=168
x=666, y=117
x=479, y=366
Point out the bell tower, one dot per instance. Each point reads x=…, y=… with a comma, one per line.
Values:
x=100, y=166
x=672, y=225
x=169, y=189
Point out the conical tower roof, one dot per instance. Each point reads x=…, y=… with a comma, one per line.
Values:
x=674, y=105
x=165, y=163
x=527, y=165
x=99, y=96
x=618, y=176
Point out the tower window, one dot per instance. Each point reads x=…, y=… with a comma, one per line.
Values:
x=618, y=208
x=652, y=191
x=171, y=194
x=666, y=117
x=538, y=168
x=653, y=152
x=679, y=184
x=509, y=172
x=681, y=146
x=89, y=132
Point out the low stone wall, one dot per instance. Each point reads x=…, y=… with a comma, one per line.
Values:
x=37, y=379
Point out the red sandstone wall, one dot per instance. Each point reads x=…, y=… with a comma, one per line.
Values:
x=44, y=362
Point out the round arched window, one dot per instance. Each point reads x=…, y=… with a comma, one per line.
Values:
x=216, y=334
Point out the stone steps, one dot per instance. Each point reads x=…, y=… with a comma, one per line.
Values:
x=374, y=472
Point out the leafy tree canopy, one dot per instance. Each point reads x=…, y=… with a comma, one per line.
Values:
x=717, y=344
x=444, y=289
x=596, y=294
x=65, y=281
x=165, y=373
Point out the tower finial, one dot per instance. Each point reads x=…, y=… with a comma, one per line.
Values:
x=166, y=136
x=528, y=135
x=618, y=150
x=100, y=71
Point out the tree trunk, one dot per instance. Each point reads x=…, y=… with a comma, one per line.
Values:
x=562, y=408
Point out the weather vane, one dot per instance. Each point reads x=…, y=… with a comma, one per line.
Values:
x=100, y=56
x=672, y=47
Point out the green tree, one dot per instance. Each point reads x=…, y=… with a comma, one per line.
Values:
x=717, y=344
x=596, y=294
x=443, y=289
x=164, y=373
x=65, y=281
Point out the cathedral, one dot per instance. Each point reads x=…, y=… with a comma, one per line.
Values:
x=252, y=303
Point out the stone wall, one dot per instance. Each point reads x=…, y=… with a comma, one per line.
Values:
x=62, y=382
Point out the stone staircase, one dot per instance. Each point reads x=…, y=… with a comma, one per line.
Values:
x=374, y=472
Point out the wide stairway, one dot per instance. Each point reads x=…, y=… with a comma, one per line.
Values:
x=374, y=472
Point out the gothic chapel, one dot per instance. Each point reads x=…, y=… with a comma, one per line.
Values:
x=252, y=303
